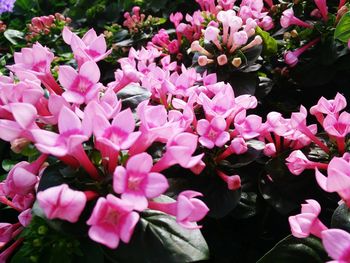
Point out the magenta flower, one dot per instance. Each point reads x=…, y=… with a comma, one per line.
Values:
x=80, y=87
x=111, y=138
x=289, y=19
x=292, y=57
x=90, y=47
x=62, y=202
x=249, y=126
x=187, y=209
x=297, y=162
x=136, y=182
x=338, y=179
x=111, y=220
x=307, y=222
x=37, y=60
x=329, y=107
x=213, y=133
x=24, y=115
x=179, y=150
x=337, y=244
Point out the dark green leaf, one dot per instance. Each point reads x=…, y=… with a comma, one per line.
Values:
x=341, y=218
x=291, y=249
x=158, y=238
x=342, y=31
x=132, y=96
x=8, y=164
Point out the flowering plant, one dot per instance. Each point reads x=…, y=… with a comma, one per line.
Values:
x=186, y=154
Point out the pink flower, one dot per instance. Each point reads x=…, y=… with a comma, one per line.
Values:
x=267, y=23
x=337, y=126
x=292, y=57
x=248, y=126
x=289, y=19
x=80, y=87
x=111, y=220
x=176, y=18
x=136, y=182
x=270, y=149
x=90, y=47
x=62, y=202
x=213, y=133
x=25, y=217
x=337, y=244
x=338, y=179
x=307, y=222
x=6, y=231
x=187, y=209
x=37, y=60
x=111, y=138
x=179, y=150
x=297, y=162
x=329, y=107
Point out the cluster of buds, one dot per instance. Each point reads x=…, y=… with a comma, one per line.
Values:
x=236, y=36
x=43, y=25
x=137, y=22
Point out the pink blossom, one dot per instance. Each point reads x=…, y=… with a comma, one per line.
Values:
x=247, y=126
x=306, y=223
x=292, y=57
x=337, y=244
x=111, y=220
x=267, y=23
x=270, y=149
x=213, y=133
x=90, y=47
x=337, y=126
x=289, y=19
x=80, y=87
x=25, y=217
x=329, y=107
x=338, y=179
x=176, y=18
x=233, y=181
x=6, y=231
x=179, y=150
x=22, y=120
x=37, y=60
x=62, y=202
x=297, y=162
x=187, y=209
x=136, y=182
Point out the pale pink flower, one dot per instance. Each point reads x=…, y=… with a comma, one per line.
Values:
x=249, y=126
x=62, y=202
x=338, y=179
x=297, y=162
x=90, y=47
x=187, y=209
x=337, y=126
x=337, y=244
x=80, y=87
x=329, y=107
x=306, y=223
x=179, y=150
x=213, y=133
x=289, y=19
x=111, y=220
x=136, y=183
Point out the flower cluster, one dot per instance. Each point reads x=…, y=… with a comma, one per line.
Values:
x=44, y=24
x=6, y=5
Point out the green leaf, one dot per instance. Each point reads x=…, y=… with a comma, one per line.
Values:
x=13, y=36
x=342, y=31
x=132, y=96
x=270, y=44
x=291, y=249
x=341, y=218
x=8, y=164
x=158, y=238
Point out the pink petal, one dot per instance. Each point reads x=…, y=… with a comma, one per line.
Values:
x=223, y=138
x=67, y=76
x=137, y=199
x=10, y=130
x=128, y=224
x=141, y=163
x=99, y=45
x=202, y=126
x=100, y=125
x=67, y=35
x=89, y=36
x=125, y=121
x=68, y=121
x=73, y=97
x=337, y=243
x=24, y=114
x=45, y=137
x=120, y=180
x=206, y=142
x=90, y=71
x=156, y=185
x=104, y=235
